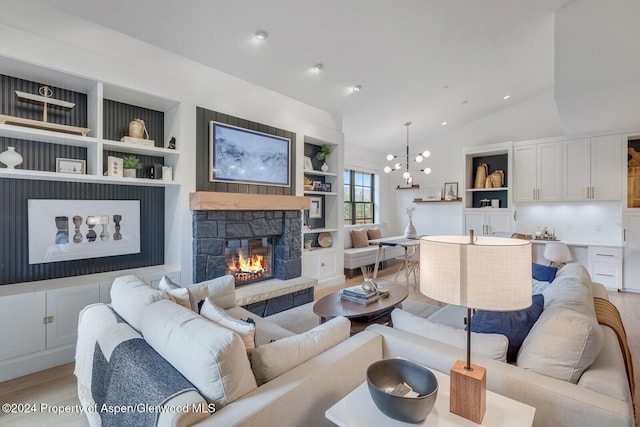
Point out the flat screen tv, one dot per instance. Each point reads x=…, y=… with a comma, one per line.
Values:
x=246, y=156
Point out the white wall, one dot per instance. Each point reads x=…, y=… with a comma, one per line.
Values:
x=530, y=119
x=42, y=35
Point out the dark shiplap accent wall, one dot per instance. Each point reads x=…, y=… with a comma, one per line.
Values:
x=117, y=116
x=10, y=106
x=14, y=251
x=41, y=156
x=203, y=116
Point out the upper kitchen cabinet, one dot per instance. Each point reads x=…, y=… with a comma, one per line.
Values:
x=592, y=168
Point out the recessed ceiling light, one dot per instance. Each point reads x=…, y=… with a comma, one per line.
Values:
x=443, y=123
x=465, y=102
x=318, y=67
x=506, y=97
x=445, y=87
x=261, y=35
x=356, y=88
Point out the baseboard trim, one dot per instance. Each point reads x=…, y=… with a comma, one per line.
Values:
x=34, y=362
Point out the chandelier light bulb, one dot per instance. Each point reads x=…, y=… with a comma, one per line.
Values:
x=398, y=166
x=426, y=153
x=387, y=169
x=419, y=158
x=406, y=175
x=390, y=157
x=261, y=35
x=427, y=171
x=409, y=180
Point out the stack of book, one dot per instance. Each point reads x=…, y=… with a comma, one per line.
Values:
x=360, y=295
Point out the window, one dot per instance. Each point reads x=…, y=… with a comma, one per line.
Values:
x=358, y=197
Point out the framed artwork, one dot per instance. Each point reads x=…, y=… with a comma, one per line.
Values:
x=308, y=166
x=317, y=186
x=71, y=166
x=246, y=156
x=315, y=211
x=326, y=187
x=450, y=190
x=114, y=166
x=64, y=230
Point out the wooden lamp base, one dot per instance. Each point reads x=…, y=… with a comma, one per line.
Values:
x=468, y=391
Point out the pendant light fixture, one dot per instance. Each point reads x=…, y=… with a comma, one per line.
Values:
x=418, y=158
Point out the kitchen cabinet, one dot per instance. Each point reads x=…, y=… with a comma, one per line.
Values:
x=593, y=168
x=319, y=263
x=538, y=172
x=631, y=250
x=605, y=266
x=485, y=222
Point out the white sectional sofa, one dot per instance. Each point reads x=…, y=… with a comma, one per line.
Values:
x=299, y=393
x=354, y=258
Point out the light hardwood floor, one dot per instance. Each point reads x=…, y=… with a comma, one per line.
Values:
x=56, y=387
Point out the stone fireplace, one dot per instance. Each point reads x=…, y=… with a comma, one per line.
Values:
x=269, y=226
x=214, y=230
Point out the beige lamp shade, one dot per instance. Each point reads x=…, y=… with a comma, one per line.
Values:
x=557, y=253
x=493, y=273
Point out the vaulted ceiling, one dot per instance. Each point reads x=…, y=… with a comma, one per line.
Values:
x=427, y=61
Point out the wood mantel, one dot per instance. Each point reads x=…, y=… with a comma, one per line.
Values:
x=212, y=201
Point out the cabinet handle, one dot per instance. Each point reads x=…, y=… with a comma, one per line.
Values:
x=593, y=192
x=534, y=194
x=605, y=275
x=624, y=234
x=322, y=264
x=605, y=255
x=47, y=319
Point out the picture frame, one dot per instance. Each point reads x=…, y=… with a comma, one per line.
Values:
x=239, y=155
x=114, y=166
x=75, y=166
x=450, y=190
x=326, y=187
x=315, y=209
x=308, y=166
x=317, y=185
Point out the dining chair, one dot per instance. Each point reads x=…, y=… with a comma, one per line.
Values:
x=412, y=263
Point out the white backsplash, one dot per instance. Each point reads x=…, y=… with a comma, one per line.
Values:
x=579, y=222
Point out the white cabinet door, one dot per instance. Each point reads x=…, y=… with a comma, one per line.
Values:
x=311, y=264
x=525, y=165
x=474, y=220
x=631, y=259
x=64, y=305
x=606, y=167
x=549, y=172
x=498, y=221
x=327, y=264
x=22, y=326
x=577, y=166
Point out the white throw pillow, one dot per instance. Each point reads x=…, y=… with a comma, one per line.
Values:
x=129, y=294
x=491, y=345
x=562, y=344
x=211, y=357
x=176, y=293
x=246, y=330
x=271, y=360
x=222, y=290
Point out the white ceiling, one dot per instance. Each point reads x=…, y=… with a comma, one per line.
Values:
x=403, y=52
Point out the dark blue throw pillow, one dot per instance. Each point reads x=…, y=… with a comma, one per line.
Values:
x=515, y=325
x=544, y=273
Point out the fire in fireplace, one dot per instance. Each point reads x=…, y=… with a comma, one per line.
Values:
x=249, y=260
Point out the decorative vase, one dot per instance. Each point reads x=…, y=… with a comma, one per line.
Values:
x=324, y=167
x=137, y=129
x=410, y=231
x=11, y=158
x=129, y=173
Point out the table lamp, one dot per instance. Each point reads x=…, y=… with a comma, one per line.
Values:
x=487, y=273
x=557, y=253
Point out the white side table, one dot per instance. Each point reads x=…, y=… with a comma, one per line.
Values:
x=357, y=409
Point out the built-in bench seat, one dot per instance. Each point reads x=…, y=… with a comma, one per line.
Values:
x=355, y=258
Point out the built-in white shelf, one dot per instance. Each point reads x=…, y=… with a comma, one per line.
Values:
x=51, y=137
x=320, y=193
x=318, y=230
x=138, y=149
x=471, y=190
x=69, y=177
x=318, y=173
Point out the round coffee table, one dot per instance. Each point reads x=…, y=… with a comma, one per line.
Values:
x=361, y=315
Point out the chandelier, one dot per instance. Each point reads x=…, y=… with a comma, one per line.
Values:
x=417, y=158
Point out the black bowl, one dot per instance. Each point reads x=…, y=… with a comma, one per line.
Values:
x=390, y=373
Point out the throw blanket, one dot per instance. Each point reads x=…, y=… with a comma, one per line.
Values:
x=133, y=384
x=608, y=315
